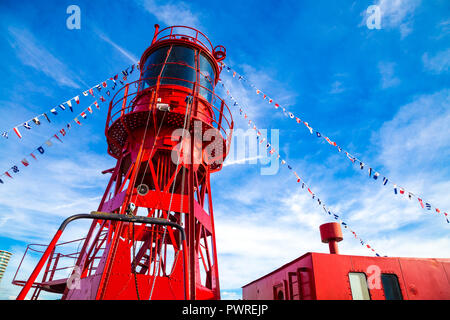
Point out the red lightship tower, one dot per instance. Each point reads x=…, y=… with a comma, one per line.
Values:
x=168, y=131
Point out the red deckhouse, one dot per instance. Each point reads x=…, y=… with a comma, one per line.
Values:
x=159, y=175
x=319, y=276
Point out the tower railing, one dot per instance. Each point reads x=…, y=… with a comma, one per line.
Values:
x=51, y=249
x=127, y=100
x=184, y=33
x=58, y=268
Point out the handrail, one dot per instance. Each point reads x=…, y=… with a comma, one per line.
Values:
x=102, y=216
x=123, y=103
x=131, y=105
x=160, y=37
x=31, y=247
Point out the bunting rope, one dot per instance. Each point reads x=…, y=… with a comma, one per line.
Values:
x=63, y=131
x=68, y=103
x=305, y=186
x=372, y=173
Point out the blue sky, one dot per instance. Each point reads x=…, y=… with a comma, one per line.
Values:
x=382, y=94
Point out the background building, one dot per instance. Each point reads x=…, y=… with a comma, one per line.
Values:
x=4, y=259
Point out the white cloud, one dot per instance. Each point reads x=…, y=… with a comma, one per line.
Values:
x=388, y=78
x=253, y=105
x=397, y=11
x=33, y=54
x=124, y=52
x=438, y=63
x=336, y=87
x=240, y=161
x=172, y=14
x=38, y=200
x=230, y=295
x=444, y=28
x=417, y=136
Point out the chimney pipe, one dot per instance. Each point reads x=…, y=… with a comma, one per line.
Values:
x=331, y=233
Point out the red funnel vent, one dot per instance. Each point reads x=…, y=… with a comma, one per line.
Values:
x=331, y=233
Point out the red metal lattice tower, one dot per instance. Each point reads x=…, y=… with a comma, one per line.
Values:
x=168, y=131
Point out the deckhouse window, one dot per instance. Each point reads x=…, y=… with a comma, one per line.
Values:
x=391, y=287
x=358, y=286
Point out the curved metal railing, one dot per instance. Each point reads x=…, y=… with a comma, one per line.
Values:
x=217, y=115
x=184, y=33
x=50, y=249
x=61, y=261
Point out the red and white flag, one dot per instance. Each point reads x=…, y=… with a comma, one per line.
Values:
x=17, y=132
x=307, y=125
x=421, y=203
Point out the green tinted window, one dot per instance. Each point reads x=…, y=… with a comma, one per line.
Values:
x=179, y=69
x=206, y=77
x=391, y=287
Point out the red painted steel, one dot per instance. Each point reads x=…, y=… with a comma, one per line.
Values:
x=161, y=172
x=331, y=233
